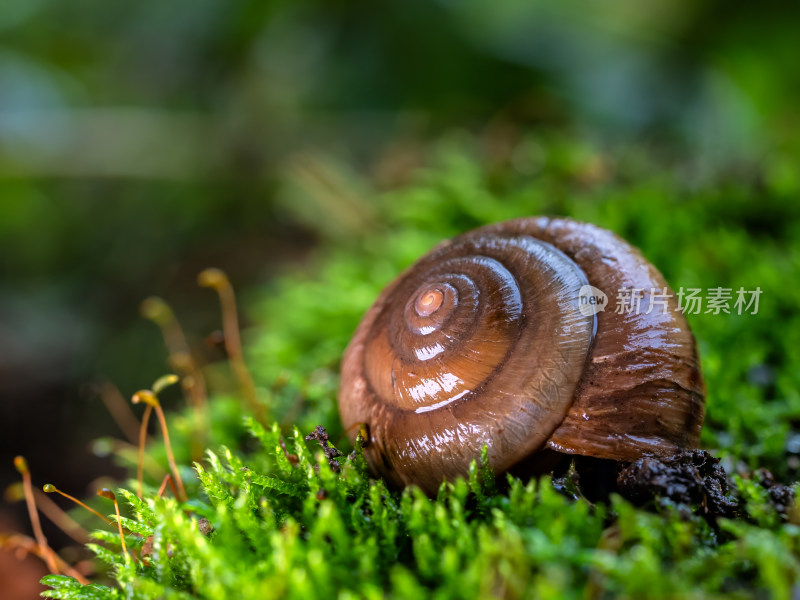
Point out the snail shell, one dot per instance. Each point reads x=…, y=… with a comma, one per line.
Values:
x=483, y=342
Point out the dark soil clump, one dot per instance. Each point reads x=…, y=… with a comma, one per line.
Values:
x=694, y=478
x=781, y=496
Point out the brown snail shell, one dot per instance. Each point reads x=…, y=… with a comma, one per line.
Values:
x=483, y=342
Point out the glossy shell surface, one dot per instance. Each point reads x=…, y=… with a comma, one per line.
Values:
x=484, y=341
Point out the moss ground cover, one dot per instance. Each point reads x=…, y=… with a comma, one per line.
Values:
x=288, y=522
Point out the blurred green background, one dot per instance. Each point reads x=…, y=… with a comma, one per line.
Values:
x=142, y=142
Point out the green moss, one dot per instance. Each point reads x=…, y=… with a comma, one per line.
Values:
x=295, y=528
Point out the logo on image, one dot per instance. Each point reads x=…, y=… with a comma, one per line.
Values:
x=591, y=300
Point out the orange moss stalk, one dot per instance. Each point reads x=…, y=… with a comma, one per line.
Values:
x=149, y=398
x=107, y=493
x=46, y=552
x=119, y=409
x=217, y=280
x=49, y=488
x=180, y=356
x=142, y=443
x=167, y=480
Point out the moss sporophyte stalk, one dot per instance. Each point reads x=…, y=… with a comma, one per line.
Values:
x=279, y=505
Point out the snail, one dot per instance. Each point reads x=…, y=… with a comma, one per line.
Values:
x=485, y=341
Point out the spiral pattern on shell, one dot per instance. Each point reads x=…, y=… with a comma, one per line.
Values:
x=483, y=342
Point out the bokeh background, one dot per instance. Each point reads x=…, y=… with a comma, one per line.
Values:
x=142, y=142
